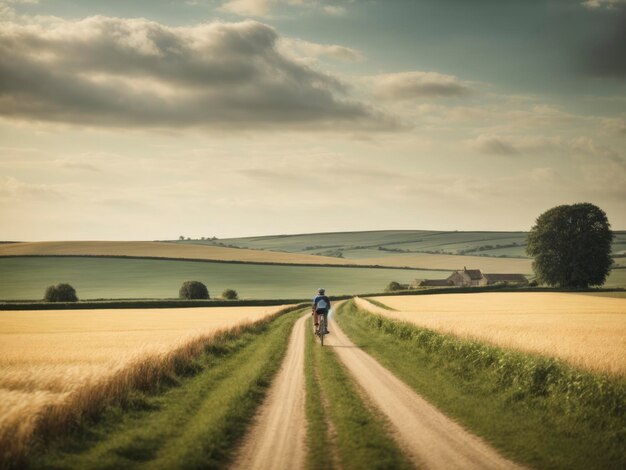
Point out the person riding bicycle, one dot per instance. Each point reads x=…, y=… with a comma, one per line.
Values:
x=321, y=306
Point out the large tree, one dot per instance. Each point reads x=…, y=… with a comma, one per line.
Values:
x=571, y=246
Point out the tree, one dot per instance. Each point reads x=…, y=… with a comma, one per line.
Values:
x=394, y=286
x=193, y=290
x=230, y=294
x=182, y=237
x=60, y=293
x=571, y=246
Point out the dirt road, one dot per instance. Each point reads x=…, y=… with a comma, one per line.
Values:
x=277, y=439
x=430, y=439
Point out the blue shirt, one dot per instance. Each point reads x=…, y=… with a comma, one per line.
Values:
x=317, y=300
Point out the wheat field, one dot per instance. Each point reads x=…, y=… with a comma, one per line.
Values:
x=55, y=362
x=584, y=330
x=161, y=250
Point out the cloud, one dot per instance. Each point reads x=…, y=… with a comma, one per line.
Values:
x=334, y=10
x=76, y=165
x=261, y=8
x=615, y=125
x=411, y=85
x=116, y=72
x=301, y=48
x=12, y=188
x=581, y=148
x=247, y=7
x=493, y=145
x=598, y=4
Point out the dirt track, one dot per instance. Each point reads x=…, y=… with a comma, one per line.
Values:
x=430, y=439
x=277, y=439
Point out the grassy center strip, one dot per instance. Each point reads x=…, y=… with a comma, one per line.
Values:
x=359, y=439
x=537, y=410
x=192, y=421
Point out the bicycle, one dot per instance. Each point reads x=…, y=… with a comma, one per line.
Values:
x=321, y=329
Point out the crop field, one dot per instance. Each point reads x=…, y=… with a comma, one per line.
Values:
x=45, y=357
x=161, y=250
x=27, y=278
x=505, y=251
x=585, y=330
x=449, y=262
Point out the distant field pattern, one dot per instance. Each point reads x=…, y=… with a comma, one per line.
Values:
x=586, y=330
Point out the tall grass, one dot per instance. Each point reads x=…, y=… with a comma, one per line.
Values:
x=88, y=400
x=537, y=409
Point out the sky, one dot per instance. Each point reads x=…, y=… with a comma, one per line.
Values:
x=143, y=120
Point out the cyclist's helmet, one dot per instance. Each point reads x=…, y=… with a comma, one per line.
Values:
x=321, y=291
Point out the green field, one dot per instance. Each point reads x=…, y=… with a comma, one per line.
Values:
x=26, y=278
x=356, y=245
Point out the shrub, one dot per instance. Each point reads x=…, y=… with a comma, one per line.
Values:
x=394, y=286
x=193, y=290
x=60, y=293
x=230, y=294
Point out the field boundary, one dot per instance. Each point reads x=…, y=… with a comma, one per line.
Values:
x=27, y=304
x=223, y=261
x=156, y=303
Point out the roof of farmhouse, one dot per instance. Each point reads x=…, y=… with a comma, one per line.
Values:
x=474, y=274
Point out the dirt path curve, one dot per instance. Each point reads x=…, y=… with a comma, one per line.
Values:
x=430, y=439
x=277, y=439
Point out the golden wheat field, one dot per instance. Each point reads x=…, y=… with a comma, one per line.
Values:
x=453, y=262
x=585, y=330
x=51, y=357
x=161, y=250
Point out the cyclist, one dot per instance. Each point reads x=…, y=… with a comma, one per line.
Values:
x=321, y=306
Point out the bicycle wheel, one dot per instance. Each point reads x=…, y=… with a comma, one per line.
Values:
x=322, y=329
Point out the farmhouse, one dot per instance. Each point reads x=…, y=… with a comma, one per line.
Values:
x=473, y=278
x=466, y=277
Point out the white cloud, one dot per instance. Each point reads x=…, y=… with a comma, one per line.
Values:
x=262, y=8
x=300, y=48
x=13, y=188
x=596, y=4
x=418, y=84
x=334, y=10
x=247, y=7
x=614, y=125
x=116, y=72
x=494, y=145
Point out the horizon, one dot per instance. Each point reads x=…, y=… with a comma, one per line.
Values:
x=235, y=118
x=270, y=235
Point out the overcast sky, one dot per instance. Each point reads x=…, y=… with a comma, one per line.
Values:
x=151, y=119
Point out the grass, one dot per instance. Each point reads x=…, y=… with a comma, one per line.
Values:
x=586, y=331
x=343, y=431
x=379, y=304
x=96, y=278
x=193, y=418
x=536, y=410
